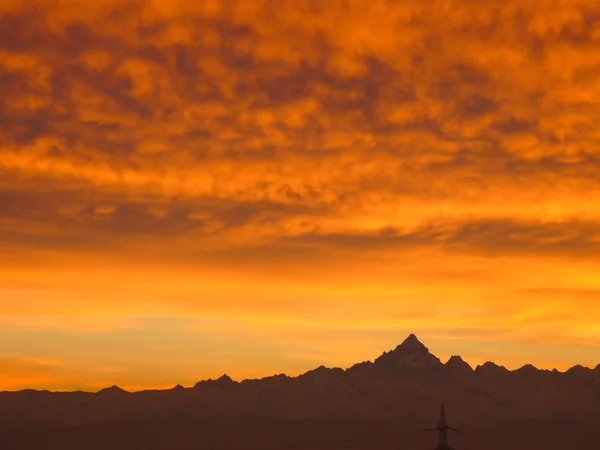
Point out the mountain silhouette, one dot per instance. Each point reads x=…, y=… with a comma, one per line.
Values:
x=384, y=404
x=579, y=371
x=113, y=390
x=457, y=366
x=322, y=373
x=410, y=356
x=490, y=369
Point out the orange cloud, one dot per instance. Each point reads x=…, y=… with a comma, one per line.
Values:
x=394, y=164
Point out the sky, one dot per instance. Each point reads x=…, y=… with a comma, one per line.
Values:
x=192, y=188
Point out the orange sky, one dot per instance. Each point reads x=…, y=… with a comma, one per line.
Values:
x=189, y=188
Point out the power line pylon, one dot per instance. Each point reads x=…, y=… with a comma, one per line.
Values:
x=442, y=429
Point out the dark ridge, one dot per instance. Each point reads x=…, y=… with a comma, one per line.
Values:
x=491, y=369
x=578, y=368
x=458, y=365
x=410, y=358
x=112, y=390
x=579, y=371
x=400, y=391
x=361, y=368
x=409, y=355
x=527, y=368
x=412, y=338
x=322, y=372
x=224, y=381
x=412, y=343
x=278, y=378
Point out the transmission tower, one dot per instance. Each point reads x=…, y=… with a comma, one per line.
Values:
x=442, y=429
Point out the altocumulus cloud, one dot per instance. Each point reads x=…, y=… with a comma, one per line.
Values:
x=394, y=140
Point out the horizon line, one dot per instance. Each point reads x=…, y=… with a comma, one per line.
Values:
x=237, y=380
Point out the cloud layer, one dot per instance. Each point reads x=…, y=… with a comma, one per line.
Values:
x=439, y=152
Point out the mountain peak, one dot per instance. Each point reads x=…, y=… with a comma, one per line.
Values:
x=579, y=370
x=223, y=381
x=410, y=354
x=412, y=339
x=491, y=368
x=322, y=372
x=528, y=369
x=411, y=345
x=114, y=389
x=456, y=359
x=457, y=364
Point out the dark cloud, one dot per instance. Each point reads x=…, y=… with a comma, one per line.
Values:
x=492, y=238
x=284, y=116
x=477, y=106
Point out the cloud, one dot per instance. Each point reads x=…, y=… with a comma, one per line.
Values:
x=423, y=151
x=490, y=238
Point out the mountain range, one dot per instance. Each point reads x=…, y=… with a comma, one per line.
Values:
x=385, y=403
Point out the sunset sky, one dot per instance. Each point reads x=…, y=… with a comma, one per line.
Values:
x=192, y=188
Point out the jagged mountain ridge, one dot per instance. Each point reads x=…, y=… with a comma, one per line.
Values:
x=400, y=388
x=409, y=357
x=399, y=380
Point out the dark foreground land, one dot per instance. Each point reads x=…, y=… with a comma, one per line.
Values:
x=155, y=434
x=386, y=404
